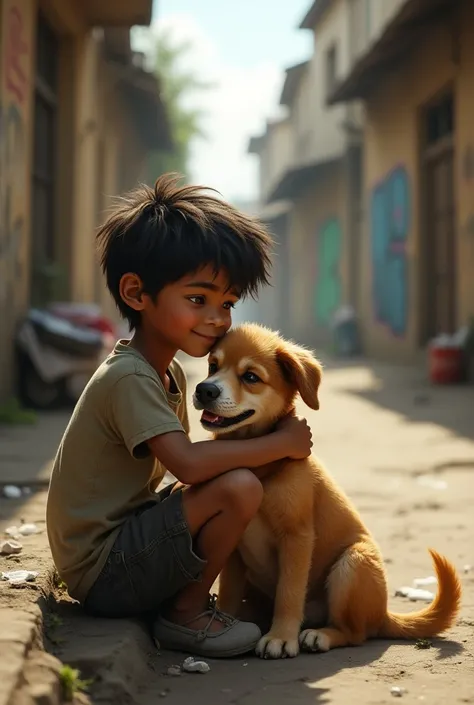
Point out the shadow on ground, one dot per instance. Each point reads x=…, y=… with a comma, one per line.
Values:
x=406, y=390
x=120, y=657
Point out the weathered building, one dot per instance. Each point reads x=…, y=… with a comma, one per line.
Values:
x=78, y=116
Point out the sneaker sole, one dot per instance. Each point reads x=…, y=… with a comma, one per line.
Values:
x=228, y=653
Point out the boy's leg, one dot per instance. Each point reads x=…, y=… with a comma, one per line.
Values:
x=168, y=554
x=217, y=514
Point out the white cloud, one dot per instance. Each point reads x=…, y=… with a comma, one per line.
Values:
x=236, y=107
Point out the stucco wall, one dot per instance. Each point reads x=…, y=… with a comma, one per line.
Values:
x=99, y=155
x=17, y=19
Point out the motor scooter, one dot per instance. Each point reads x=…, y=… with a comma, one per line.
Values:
x=56, y=358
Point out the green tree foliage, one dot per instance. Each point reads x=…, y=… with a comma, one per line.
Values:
x=178, y=85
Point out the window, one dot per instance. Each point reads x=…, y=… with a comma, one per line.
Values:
x=440, y=120
x=331, y=69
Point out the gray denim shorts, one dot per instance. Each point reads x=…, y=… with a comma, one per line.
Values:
x=151, y=560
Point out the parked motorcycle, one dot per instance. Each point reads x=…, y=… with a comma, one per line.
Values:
x=56, y=358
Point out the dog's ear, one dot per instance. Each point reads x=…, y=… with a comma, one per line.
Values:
x=302, y=369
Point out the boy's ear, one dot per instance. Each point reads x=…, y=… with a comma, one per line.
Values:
x=303, y=371
x=130, y=289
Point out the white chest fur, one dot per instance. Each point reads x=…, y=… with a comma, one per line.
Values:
x=259, y=553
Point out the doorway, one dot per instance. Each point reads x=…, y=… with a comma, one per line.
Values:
x=439, y=240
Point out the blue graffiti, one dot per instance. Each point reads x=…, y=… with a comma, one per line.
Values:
x=390, y=225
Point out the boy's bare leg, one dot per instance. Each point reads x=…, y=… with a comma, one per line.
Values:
x=217, y=513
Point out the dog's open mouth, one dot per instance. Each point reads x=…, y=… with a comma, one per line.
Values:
x=215, y=421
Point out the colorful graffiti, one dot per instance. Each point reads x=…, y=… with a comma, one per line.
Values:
x=389, y=228
x=328, y=278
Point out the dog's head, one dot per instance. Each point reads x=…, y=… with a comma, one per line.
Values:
x=254, y=377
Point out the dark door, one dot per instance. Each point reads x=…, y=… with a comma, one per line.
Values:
x=441, y=256
x=439, y=236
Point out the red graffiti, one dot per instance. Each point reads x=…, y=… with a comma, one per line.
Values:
x=16, y=48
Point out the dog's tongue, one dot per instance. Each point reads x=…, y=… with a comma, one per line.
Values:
x=210, y=418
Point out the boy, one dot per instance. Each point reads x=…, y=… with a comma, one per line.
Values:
x=176, y=260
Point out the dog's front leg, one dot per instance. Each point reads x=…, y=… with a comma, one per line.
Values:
x=294, y=563
x=232, y=585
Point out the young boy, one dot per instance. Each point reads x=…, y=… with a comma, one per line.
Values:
x=176, y=260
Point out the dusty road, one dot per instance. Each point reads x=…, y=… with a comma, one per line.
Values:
x=405, y=454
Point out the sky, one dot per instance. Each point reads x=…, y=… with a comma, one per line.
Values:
x=243, y=48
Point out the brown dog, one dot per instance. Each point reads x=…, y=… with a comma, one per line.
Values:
x=308, y=545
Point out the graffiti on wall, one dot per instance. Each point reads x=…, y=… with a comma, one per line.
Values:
x=389, y=228
x=16, y=32
x=328, y=277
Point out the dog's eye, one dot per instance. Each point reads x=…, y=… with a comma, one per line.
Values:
x=212, y=368
x=250, y=377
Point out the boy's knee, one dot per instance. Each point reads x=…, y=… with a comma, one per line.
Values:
x=243, y=490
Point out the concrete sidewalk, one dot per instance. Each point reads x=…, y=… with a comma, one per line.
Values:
x=405, y=454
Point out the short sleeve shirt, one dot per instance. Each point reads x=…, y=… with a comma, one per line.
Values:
x=103, y=470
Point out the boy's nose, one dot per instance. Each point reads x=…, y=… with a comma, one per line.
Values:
x=207, y=391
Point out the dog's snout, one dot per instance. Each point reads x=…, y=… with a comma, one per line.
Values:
x=207, y=391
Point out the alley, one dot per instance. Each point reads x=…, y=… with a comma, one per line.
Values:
x=405, y=454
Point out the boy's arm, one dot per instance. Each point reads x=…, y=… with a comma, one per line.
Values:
x=193, y=463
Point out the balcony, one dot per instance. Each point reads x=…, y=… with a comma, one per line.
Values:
x=397, y=38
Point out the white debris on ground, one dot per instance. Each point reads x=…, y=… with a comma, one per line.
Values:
x=189, y=665
x=397, y=691
x=174, y=671
x=16, y=577
x=22, y=530
x=14, y=492
x=10, y=547
x=192, y=666
x=432, y=482
x=417, y=592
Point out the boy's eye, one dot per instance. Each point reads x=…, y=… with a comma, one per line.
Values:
x=229, y=304
x=212, y=368
x=250, y=377
x=198, y=300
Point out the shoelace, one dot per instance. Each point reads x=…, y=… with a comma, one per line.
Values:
x=213, y=614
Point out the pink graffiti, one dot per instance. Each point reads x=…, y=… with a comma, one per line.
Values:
x=16, y=48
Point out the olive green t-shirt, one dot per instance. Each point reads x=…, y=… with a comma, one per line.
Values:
x=103, y=469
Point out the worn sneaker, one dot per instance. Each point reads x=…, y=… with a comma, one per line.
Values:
x=233, y=639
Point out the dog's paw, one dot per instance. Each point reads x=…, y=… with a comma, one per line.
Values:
x=273, y=647
x=314, y=640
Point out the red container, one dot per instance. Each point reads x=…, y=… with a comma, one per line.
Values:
x=446, y=365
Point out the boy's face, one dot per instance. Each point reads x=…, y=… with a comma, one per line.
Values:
x=192, y=313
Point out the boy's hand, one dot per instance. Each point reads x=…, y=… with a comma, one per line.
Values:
x=297, y=436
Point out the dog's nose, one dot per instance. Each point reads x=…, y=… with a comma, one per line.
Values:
x=207, y=391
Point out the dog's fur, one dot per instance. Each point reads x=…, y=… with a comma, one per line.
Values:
x=308, y=545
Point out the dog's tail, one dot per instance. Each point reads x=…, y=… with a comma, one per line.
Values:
x=435, y=618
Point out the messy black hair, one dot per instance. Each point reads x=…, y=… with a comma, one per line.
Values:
x=164, y=233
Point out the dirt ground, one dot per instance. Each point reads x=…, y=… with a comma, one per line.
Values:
x=403, y=451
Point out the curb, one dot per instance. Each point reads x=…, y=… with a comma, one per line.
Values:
x=116, y=655
x=27, y=673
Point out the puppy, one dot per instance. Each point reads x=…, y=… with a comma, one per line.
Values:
x=307, y=545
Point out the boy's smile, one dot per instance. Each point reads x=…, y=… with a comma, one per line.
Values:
x=211, y=339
